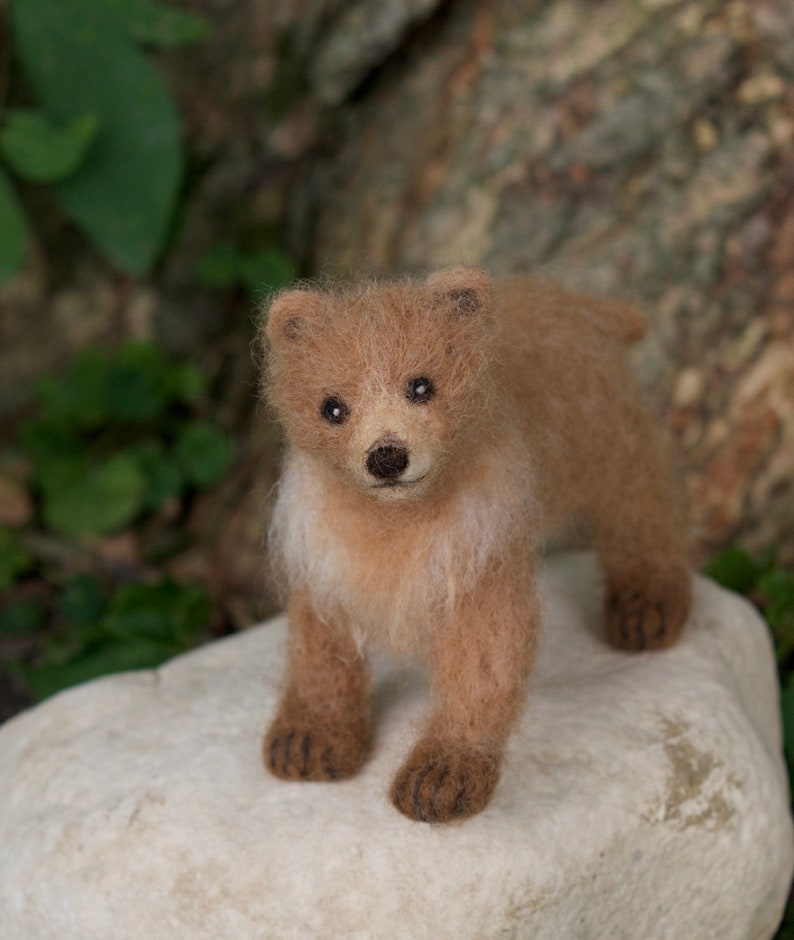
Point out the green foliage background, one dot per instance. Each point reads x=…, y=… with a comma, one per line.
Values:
x=123, y=443
x=114, y=442
x=105, y=132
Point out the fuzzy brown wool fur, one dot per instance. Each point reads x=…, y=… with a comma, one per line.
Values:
x=438, y=432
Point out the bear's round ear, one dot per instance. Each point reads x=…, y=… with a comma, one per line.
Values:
x=289, y=313
x=462, y=290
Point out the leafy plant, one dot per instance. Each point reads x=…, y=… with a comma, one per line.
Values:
x=40, y=152
x=14, y=560
x=118, y=437
x=21, y=618
x=257, y=270
x=136, y=626
x=770, y=587
x=105, y=133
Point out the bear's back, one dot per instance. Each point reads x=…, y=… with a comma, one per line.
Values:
x=564, y=366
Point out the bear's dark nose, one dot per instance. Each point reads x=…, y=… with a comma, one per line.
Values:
x=387, y=461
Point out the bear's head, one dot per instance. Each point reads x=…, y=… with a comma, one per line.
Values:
x=388, y=385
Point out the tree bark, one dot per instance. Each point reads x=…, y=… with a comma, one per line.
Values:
x=637, y=148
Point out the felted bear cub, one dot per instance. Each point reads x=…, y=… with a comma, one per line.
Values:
x=438, y=431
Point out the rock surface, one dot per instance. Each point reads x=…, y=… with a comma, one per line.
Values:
x=644, y=796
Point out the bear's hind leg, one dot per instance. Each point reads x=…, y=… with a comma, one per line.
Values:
x=647, y=603
x=322, y=728
x=642, y=551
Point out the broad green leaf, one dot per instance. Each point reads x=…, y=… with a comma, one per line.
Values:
x=188, y=383
x=98, y=498
x=162, y=472
x=149, y=623
x=80, y=60
x=137, y=383
x=157, y=24
x=266, y=270
x=13, y=231
x=168, y=612
x=734, y=569
x=142, y=383
x=39, y=151
x=203, y=452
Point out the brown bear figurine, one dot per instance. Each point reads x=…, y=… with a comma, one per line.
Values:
x=438, y=432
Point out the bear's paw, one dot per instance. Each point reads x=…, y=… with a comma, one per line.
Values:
x=437, y=785
x=292, y=752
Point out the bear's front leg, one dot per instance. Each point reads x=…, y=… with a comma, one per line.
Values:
x=481, y=658
x=322, y=728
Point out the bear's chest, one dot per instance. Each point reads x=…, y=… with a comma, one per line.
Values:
x=387, y=575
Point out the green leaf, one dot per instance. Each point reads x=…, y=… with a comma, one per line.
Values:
x=158, y=25
x=162, y=472
x=142, y=383
x=776, y=587
x=137, y=387
x=79, y=400
x=94, y=498
x=13, y=231
x=140, y=626
x=82, y=602
x=734, y=569
x=14, y=560
x=169, y=613
x=56, y=451
x=219, y=266
x=22, y=618
x=40, y=152
x=188, y=383
x=266, y=270
x=203, y=452
x=80, y=60
x=51, y=676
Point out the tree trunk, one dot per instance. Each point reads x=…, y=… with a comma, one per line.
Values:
x=638, y=148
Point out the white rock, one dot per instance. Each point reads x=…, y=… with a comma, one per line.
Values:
x=644, y=797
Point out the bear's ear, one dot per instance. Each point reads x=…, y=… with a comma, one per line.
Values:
x=289, y=314
x=463, y=290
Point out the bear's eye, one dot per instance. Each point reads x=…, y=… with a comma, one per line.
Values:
x=334, y=410
x=419, y=391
